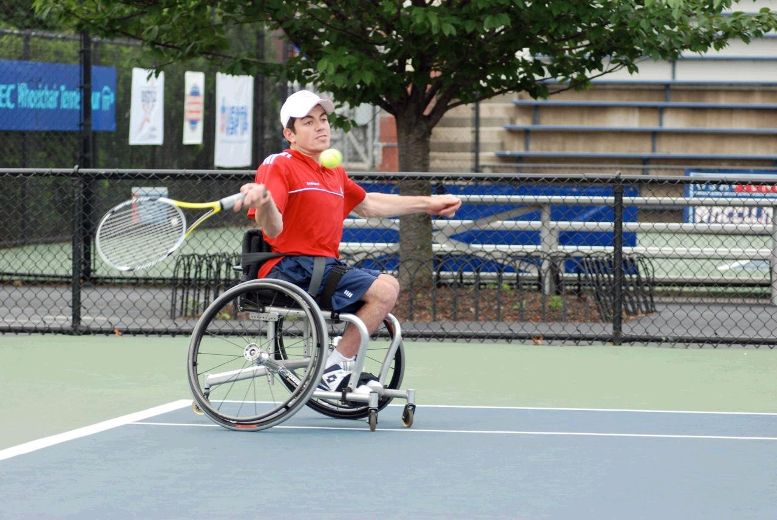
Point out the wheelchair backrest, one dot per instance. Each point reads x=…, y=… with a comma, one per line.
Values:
x=255, y=252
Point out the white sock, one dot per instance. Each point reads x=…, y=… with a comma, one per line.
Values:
x=336, y=358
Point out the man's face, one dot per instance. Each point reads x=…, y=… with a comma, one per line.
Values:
x=311, y=133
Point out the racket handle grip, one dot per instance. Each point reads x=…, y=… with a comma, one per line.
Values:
x=229, y=202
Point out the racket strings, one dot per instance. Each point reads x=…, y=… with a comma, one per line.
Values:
x=138, y=233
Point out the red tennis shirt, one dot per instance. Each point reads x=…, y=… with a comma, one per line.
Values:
x=313, y=201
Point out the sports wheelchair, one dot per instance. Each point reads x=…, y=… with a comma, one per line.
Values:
x=257, y=353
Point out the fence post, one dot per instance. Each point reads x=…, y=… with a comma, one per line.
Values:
x=773, y=258
x=85, y=154
x=77, y=246
x=617, y=260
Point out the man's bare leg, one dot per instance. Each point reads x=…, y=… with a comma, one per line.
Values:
x=379, y=299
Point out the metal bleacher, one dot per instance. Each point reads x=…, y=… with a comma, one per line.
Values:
x=649, y=137
x=717, y=109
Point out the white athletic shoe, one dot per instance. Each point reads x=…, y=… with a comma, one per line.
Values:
x=334, y=378
x=369, y=386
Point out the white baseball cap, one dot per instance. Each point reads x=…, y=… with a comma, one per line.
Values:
x=301, y=103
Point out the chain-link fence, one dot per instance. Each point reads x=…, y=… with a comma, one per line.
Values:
x=572, y=258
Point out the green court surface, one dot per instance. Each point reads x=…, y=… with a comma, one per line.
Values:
x=54, y=259
x=55, y=383
x=747, y=267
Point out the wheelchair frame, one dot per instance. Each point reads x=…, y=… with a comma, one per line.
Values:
x=261, y=332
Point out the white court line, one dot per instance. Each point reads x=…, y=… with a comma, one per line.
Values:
x=138, y=417
x=619, y=410
x=491, y=432
x=45, y=442
x=559, y=409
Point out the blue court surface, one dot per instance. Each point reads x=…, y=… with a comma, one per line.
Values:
x=455, y=462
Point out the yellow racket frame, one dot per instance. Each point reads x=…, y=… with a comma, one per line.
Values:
x=215, y=206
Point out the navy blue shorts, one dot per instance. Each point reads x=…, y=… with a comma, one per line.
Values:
x=347, y=296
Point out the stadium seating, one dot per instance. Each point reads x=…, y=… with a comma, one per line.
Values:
x=713, y=110
x=619, y=123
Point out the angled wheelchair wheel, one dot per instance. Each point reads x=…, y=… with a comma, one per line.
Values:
x=256, y=354
x=377, y=350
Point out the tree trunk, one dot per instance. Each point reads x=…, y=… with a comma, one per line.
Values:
x=415, y=231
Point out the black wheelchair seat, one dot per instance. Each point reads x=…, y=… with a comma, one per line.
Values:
x=256, y=251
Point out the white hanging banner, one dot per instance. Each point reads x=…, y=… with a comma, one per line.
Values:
x=193, y=106
x=234, y=120
x=147, y=108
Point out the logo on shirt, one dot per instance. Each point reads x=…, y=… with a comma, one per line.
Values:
x=312, y=183
x=271, y=158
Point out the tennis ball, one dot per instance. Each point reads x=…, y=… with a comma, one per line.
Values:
x=331, y=158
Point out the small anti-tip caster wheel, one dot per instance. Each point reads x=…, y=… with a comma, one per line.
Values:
x=373, y=419
x=408, y=414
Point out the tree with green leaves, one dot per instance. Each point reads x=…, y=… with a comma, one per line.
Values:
x=16, y=14
x=418, y=59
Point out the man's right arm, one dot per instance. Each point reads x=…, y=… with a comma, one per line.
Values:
x=267, y=216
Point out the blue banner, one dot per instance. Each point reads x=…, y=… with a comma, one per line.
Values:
x=36, y=96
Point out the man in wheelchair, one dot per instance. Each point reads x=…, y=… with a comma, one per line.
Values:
x=300, y=207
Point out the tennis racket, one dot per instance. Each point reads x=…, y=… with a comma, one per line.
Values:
x=143, y=231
